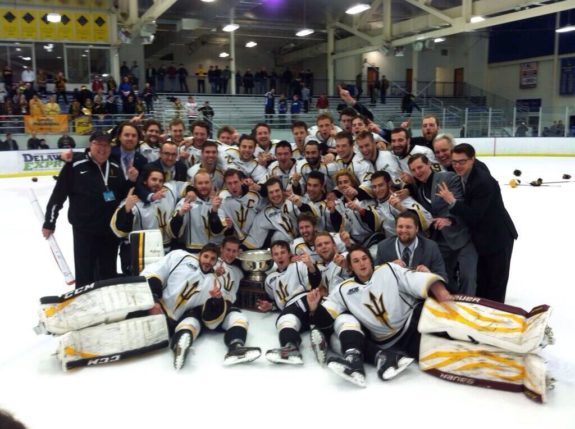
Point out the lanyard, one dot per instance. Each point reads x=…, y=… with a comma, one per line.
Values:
x=105, y=176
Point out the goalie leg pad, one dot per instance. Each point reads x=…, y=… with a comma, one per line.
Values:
x=99, y=302
x=484, y=366
x=146, y=247
x=483, y=321
x=113, y=342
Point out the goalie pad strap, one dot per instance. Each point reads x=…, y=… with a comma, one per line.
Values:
x=146, y=247
x=113, y=342
x=482, y=321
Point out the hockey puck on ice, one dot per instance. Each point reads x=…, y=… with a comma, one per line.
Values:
x=566, y=176
x=34, y=179
x=517, y=173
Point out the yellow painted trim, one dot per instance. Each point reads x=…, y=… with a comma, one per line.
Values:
x=29, y=174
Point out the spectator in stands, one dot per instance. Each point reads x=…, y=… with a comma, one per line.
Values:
x=111, y=84
x=41, y=81
x=201, y=78
x=383, y=87
x=226, y=76
x=66, y=141
x=7, y=76
x=60, y=87
x=429, y=130
x=408, y=103
x=191, y=109
x=36, y=107
x=51, y=107
x=322, y=104
x=28, y=76
x=75, y=109
x=208, y=114
x=125, y=88
x=9, y=143
x=248, y=81
x=33, y=142
x=172, y=74
x=149, y=96
x=270, y=106
x=111, y=103
x=183, y=78
x=129, y=105
x=521, y=130
x=43, y=144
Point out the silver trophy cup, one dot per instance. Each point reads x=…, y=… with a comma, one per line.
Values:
x=255, y=263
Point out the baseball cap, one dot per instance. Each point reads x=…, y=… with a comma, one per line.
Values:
x=100, y=137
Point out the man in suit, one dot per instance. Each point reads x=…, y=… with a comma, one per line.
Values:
x=125, y=153
x=491, y=227
x=448, y=230
x=409, y=249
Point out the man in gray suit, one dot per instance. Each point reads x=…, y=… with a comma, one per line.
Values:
x=448, y=231
x=409, y=249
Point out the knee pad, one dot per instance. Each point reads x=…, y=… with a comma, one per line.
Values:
x=346, y=322
x=235, y=318
x=288, y=321
x=191, y=324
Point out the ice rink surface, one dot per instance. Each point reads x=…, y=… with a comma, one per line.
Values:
x=146, y=392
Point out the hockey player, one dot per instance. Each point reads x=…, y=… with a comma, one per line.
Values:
x=307, y=226
x=191, y=148
x=209, y=163
x=383, y=304
x=287, y=288
x=403, y=150
x=197, y=219
x=284, y=167
x=242, y=158
x=312, y=162
x=150, y=147
x=332, y=262
x=381, y=160
x=348, y=160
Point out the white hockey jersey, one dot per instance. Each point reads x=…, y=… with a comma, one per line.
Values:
x=299, y=247
x=289, y=285
x=385, y=215
x=241, y=210
x=281, y=220
x=195, y=230
x=384, y=304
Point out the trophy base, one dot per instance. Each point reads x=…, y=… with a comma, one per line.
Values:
x=248, y=294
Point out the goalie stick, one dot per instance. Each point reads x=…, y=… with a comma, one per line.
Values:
x=56, y=252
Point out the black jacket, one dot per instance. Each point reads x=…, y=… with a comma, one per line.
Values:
x=81, y=181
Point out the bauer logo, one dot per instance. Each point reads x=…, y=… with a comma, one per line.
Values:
x=103, y=360
x=33, y=161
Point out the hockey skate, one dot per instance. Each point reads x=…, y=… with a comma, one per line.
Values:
x=181, y=347
x=241, y=354
x=319, y=346
x=349, y=368
x=288, y=354
x=390, y=364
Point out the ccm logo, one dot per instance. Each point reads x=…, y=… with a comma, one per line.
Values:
x=102, y=360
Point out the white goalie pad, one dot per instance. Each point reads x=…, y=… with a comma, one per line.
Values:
x=146, y=247
x=113, y=342
x=482, y=321
x=483, y=366
x=99, y=302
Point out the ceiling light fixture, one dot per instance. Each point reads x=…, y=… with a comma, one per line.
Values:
x=357, y=8
x=251, y=44
x=304, y=32
x=231, y=27
x=208, y=1
x=224, y=55
x=54, y=18
x=477, y=18
x=439, y=40
x=565, y=29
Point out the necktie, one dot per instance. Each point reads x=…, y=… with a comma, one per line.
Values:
x=406, y=256
x=168, y=175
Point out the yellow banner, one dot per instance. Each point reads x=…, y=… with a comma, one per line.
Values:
x=65, y=28
x=8, y=23
x=83, y=26
x=46, y=30
x=83, y=125
x=28, y=19
x=100, y=28
x=53, y=124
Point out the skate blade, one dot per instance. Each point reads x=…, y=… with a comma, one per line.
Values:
x=181, y=352
x=354, y=378
x=250, y=356
x=319, y=347
x=393, y=372
x=290, y=360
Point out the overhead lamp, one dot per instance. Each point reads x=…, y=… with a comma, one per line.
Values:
x=399, y=52
x=304, y=32
x=54, y=18
x=231, y=27
x=357, y=8
x=439, y=40
x=251, y=44
x=475, y=19
x=224, y=55
x=208, y=1
x=565, y=29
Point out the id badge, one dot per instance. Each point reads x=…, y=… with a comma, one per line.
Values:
x=109, y=196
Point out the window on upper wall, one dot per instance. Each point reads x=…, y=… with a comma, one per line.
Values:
x=50, y=59
x=78, y=62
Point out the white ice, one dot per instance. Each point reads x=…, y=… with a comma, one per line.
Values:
x=145, y=392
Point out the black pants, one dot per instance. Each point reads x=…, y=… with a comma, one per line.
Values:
x=95, y=256
x=493, y=273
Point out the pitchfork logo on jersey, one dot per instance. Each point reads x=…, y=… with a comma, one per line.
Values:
x=189, y=291
x=282, y=292
x=242, y=216
x=378, y=309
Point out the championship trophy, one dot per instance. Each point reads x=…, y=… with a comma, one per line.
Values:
x=255, y=264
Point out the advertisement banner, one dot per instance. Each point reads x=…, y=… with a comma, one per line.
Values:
x=39, y=160
x=528, y=75
x=52, y=124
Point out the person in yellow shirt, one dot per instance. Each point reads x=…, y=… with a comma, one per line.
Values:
x=51, y=107
x=36, y=106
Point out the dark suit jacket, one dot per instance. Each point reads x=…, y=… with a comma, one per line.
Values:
x=482, y=209
x=426, y=253
x=139, y=160
x=180, y=167
x=457, y=235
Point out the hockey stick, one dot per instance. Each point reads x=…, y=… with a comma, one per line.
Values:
x=56, y=252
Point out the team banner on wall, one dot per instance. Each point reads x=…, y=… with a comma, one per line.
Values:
x=83, y=125
x=528, y=75
x=567, y=82
x=29, y=23
x=53, y=124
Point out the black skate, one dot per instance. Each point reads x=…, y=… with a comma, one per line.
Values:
x=319, y=346
x=288, y=354
x=241, y=354
x=390, y=364
x=181, y=346
x=349, y=368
